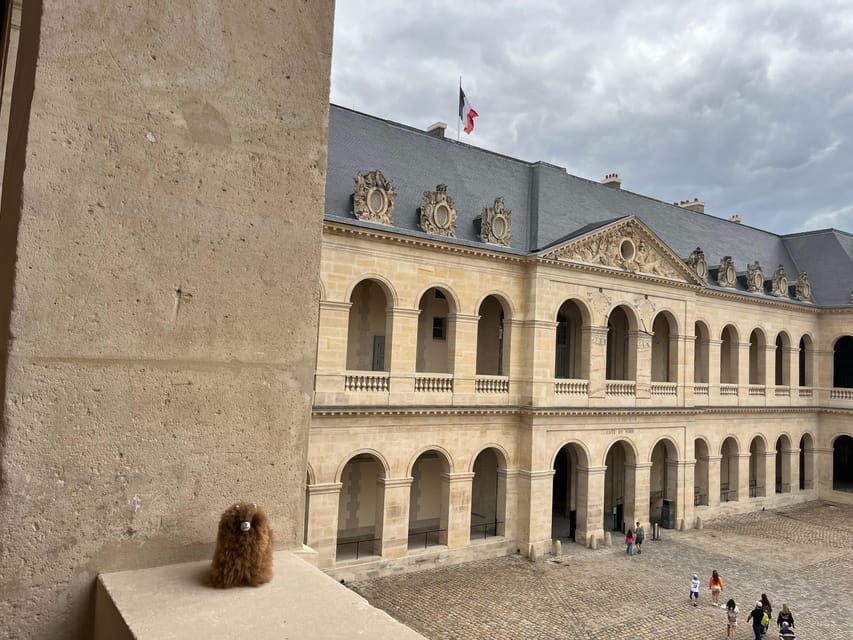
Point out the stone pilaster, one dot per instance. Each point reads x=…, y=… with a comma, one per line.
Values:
x=714, y=480
x=793, y=466
x=456, y=509
x=590, y=515
x=769, y=464
x=392, y=516
x=742, y=476
x=401, y=352
x=535, y=490
x=685, y=507
x=508, y=481
x=323, y=502
x=637, y=492
x=462, y=330
x=597, y=360
x=640, y=361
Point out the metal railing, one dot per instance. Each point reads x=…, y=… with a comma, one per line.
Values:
x=436, y=537
x=725, y=494
x=489, y=529
x=783, y=487
x=357, y=546
x=699, y=498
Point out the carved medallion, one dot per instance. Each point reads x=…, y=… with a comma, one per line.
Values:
x=698, y=263
x=804, y=287
x=438, y=215
x=496, y=226
x=373, y=198
x=755, y=278
x=727, y=275
x=780, y=282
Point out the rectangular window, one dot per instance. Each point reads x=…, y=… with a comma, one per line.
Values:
x=439, y=328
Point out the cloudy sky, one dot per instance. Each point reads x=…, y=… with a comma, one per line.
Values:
x=747, y=105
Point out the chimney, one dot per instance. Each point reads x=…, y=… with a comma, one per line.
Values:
x=694, y=205
x=612, y=180
x=735, y=218
x=436, y=130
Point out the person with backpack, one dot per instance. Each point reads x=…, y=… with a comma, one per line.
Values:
x=757, y=616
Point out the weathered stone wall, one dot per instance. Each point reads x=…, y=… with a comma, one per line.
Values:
x=161, y=221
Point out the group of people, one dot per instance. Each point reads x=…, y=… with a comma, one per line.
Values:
x=760, y=616
x=634, y=540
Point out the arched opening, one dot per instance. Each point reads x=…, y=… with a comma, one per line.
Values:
x=433, y=352
x=492, y=350
x=428, y=501
x=806, y=463
x=729, y=470
x=784, y=462
x=571, y=354
x=621, y=347
x=842, y=464
x=663, y=484
x=782, y=377
x=619, y=485
x=488, y=495
x=369, y=327
x=757, y=479
x=757, y=349
x=360, y=509
x=701, y=348
x=700, y=473
x=805, y=362
x=567, y=498
x=664, y=349
x=728, y=355
x=842, y=363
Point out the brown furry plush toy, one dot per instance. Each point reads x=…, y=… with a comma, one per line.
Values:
x=244, y=544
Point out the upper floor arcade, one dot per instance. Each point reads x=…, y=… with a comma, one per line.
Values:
x=426, y=327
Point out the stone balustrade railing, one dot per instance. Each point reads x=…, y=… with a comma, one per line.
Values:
x=664, y=389
x=491, y=384
x=369, y=382
x=623, y=388
x=727, y=389
x=434, y=382
x=567, y=387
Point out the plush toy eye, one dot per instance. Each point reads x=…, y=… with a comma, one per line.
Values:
x=245, y=526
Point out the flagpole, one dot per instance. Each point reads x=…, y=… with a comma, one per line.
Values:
x=458, y=118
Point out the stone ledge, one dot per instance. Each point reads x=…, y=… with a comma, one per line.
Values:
x=301, y=603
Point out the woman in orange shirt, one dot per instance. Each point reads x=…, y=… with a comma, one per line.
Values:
x=716, y=585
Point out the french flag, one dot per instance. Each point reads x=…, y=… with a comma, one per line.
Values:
x=466, y=112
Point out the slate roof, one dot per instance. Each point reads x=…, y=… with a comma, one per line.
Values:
x=550, y=206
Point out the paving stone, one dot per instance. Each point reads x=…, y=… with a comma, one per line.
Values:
x=799, y=555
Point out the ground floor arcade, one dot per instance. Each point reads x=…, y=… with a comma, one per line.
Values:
x=385, y=487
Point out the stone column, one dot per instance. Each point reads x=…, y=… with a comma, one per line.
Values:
x=742, y=371
x=794, y=469
x=514, y=336
x=742, y=476
x=769, y=368
x=534, y=504
x=685, y=506
x=456, y=509
x=791, y=357
x=402, y=352
x=508, y=480
x=392, y=516
x=332, y=333
x=597, y=361
x=769, y=463
x=686, y=356
x=714, y=480
x=590, y=513
x=462, y=330
x=823, y=468
x=542, y=357
x=323, y=502
x=714, y=355
x=637, y=493
x=640, y=345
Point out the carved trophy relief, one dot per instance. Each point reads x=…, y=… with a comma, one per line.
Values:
x=727, y=275
x=804, y=287
x=600, y=304
x=496, y=225
x=698, y=263
x=437, y=213
x=755, y=278
x=780, y=282
x=373, y=198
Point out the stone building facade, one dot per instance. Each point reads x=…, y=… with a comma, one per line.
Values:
x=517, y=355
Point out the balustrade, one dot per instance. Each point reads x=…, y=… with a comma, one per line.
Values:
x=366, y=382
x=491, y=384
x=434, y=383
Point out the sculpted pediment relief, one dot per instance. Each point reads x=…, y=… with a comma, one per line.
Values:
x=627, y=246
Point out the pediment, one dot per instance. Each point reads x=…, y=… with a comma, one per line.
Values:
x=626, y=246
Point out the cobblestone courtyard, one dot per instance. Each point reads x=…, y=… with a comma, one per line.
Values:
x=800, y=555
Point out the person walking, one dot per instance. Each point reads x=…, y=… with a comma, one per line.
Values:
x=716, y=586
x=785, y=615
x=756, y=615
x=694, y=590
x=768, y=609
x=639, y=537
x=629, y=542
x=731, y=617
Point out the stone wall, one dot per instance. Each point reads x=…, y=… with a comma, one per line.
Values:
x=161, y=219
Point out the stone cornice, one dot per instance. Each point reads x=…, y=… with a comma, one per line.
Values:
x=779, y=303
x=342, y=228
x=610, y=271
